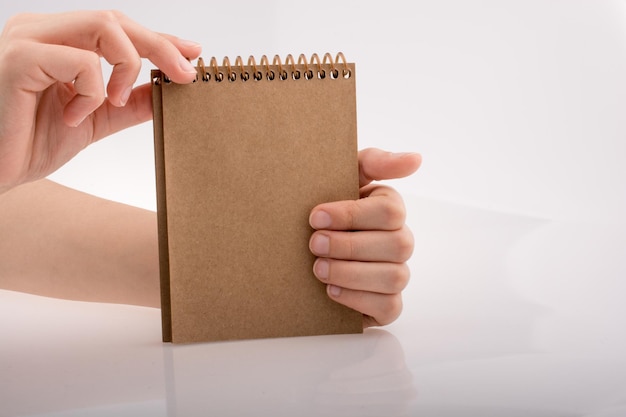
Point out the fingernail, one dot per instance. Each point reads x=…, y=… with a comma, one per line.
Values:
x=185, y=65
x=320, y=220
x=320, y=269
x=320, y=244
x=125, y=95
x=76, y=124
x=334, y=291
x=189, y=44
x=402, y=154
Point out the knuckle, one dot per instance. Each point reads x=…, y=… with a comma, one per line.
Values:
x=399, y=278
x=11, y=23
x=109, y=21
x=13, y=27
x=12, y=55
x=19, y=18
x=110, y=16
x=391, y=309
x=404, y=244
x=131, y=66
x=117, y=14
x=92, y=60
x=394, y=213
x=352, y=214
x=91, y=65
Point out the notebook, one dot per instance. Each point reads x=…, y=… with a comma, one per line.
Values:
x=242, y=156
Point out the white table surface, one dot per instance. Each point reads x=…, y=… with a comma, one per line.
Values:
x=505, y=316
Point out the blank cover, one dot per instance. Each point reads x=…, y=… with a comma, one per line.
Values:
x=242, y=156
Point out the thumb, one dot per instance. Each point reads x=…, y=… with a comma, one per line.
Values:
x=110, y=119
x=376, y=164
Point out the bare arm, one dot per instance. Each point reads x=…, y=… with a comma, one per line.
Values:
x=59, y=242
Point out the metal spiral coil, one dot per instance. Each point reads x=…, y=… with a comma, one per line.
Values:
x=303, y=68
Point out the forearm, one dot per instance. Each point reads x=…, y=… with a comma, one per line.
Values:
x=59, y=242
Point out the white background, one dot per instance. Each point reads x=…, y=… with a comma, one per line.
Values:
x=516, y=106
x=517, y=292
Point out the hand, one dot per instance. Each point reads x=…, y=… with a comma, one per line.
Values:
x=363, y=245
x=52, y=102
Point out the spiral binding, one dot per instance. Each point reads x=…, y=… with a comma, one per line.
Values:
x=296, y=70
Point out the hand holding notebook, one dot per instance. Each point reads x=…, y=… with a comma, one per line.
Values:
x=367, y=271
x=45, y=33
x=53, y=96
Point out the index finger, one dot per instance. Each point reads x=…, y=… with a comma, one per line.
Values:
x=169, y=53
x=118, y=39
x=98, y=30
